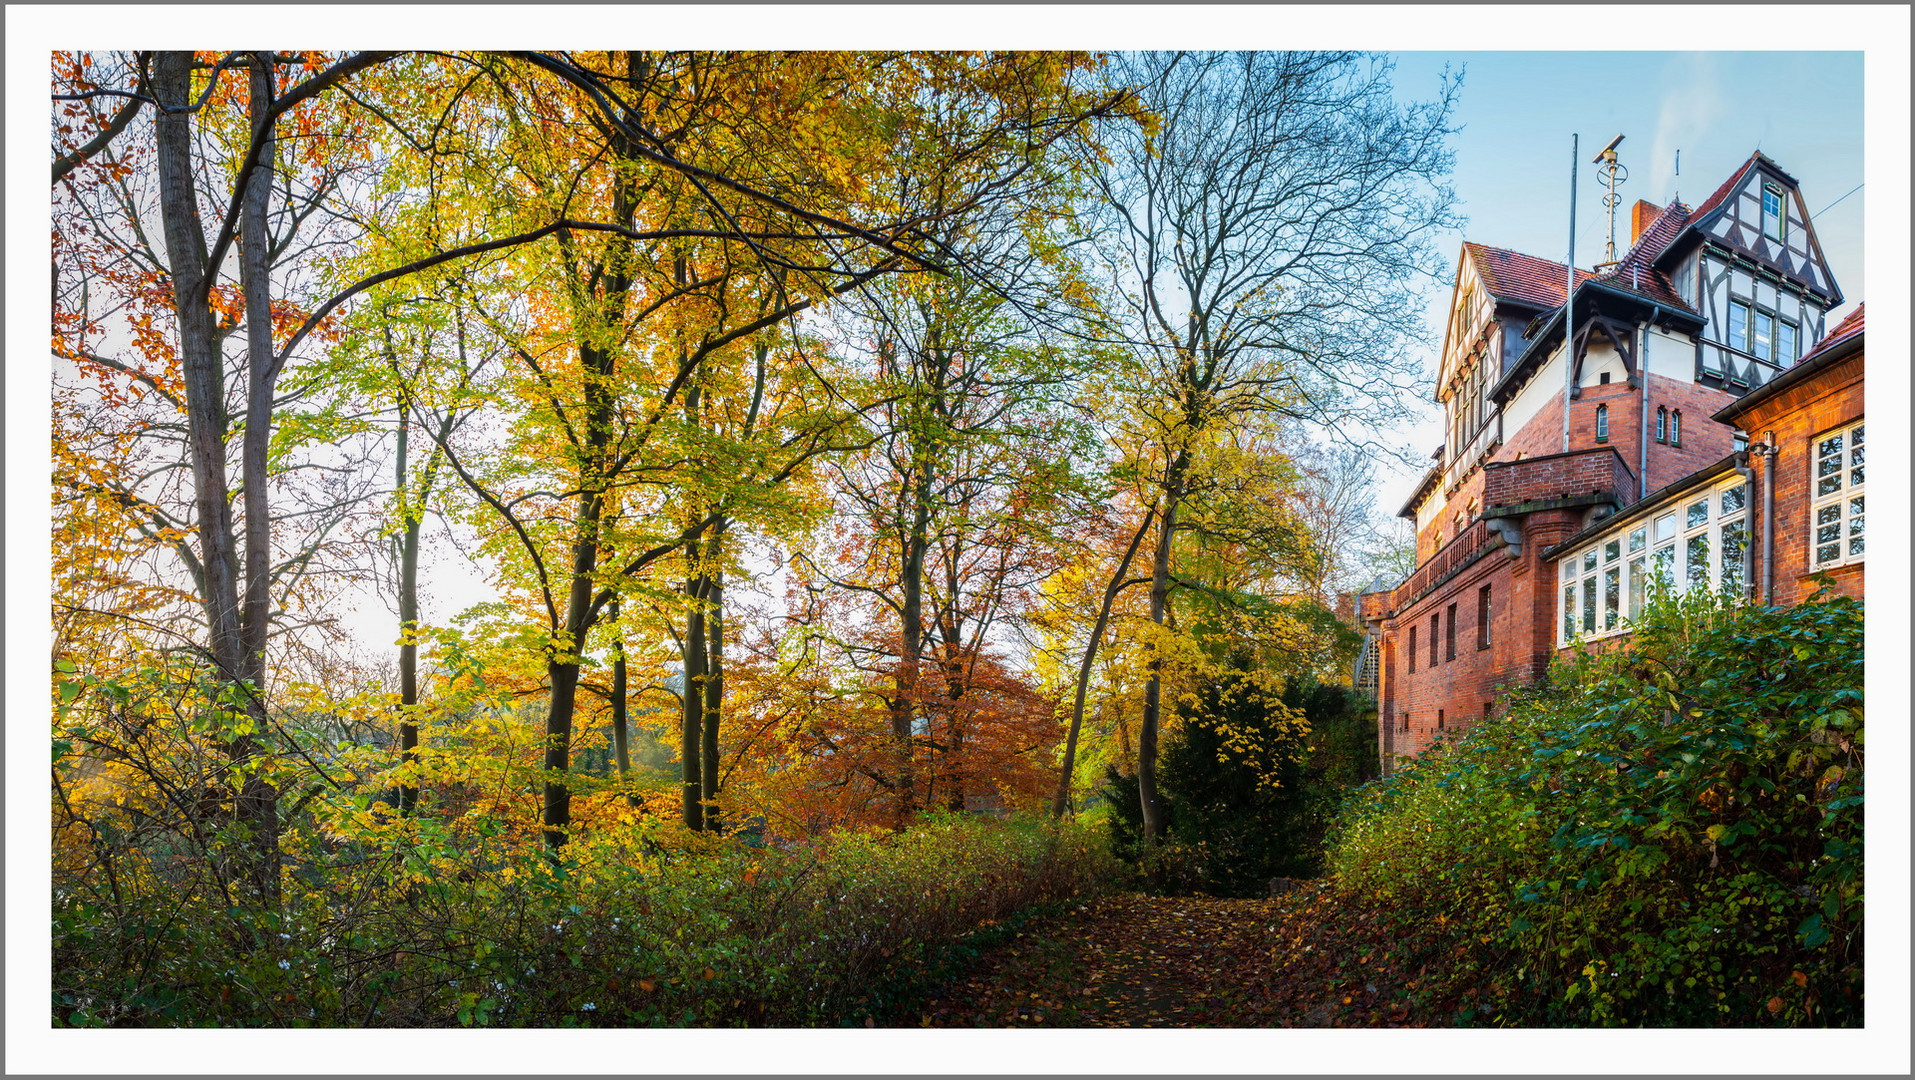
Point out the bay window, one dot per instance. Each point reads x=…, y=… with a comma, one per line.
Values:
x=1699, y=543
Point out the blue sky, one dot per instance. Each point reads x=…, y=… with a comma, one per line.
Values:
x=1518, y=111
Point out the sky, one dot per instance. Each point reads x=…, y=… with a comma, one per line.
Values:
x=1519, y=110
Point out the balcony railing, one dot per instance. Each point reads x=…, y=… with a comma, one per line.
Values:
x=1466, y=547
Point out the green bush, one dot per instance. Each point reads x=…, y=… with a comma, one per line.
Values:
x=1250, y=783
x=1669, y=832
x=623, y=935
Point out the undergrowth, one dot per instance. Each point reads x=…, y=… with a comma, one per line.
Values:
x=1667, y=833
x=640, y=927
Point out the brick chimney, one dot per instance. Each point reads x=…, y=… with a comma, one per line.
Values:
x=1641, y=217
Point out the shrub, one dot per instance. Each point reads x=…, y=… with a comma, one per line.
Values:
x=644, y=926
x=1250, y=782
x=1669, y=832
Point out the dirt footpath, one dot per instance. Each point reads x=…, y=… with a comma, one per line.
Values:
x=1147, y=961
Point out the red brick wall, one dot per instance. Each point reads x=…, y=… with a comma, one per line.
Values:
x=1798, y=416
x=1521, y=626
x=1704, y=442
x=1557, y=476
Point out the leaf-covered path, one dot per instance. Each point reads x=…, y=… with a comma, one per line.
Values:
x=1147, y=961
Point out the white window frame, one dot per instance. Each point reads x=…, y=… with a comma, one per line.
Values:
x=1631, y=554
x=1843, y=498
x=1779, y=231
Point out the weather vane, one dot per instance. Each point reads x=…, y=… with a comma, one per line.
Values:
x=1611, y=174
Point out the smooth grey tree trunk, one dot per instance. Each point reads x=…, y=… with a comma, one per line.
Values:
x=1060, y=802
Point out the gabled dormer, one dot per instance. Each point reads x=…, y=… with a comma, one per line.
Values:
x=1748, y=260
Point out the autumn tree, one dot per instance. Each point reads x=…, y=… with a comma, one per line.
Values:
x=1263, y=231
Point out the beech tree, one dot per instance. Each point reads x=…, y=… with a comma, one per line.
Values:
x=1264, y=230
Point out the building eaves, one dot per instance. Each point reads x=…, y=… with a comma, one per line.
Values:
x=1542, y=332
x=1422, y=489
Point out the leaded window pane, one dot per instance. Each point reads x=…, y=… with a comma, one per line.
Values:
x=1734, y=499
x=1735, y=542
x=1698, y=514
x=1828, y=523
x=1698, y=562
x=1662, y=563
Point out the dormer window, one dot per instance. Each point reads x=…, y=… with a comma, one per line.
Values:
x=1775, y=221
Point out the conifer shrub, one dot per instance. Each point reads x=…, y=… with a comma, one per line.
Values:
x=1668, y=832
x=1250, y=780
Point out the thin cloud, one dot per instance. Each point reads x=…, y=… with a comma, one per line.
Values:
x=1692, y=102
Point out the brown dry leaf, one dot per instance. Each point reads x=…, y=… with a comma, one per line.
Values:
x=647, y=985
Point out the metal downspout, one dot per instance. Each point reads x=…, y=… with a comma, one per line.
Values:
x=1642, y=437
x=1748, y=549
x=1768, y=518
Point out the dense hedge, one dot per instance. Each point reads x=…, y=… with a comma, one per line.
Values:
x=626, y=932
x=1667, y=833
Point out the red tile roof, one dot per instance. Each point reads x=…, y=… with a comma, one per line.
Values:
x=1635, y=272
x=1728, y=186
x=1511, y=275
x=1721, y=194
x=1850, y=326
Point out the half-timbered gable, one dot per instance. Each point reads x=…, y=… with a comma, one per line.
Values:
x=1748, y=260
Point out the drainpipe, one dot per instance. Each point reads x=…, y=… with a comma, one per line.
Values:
x=1748, y=549
x=1642, y=436
x=1769, y=450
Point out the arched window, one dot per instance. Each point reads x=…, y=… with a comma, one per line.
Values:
x=1662, y=424
x=1602, y=423
x=1675, y=428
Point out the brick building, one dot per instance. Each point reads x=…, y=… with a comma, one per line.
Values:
x=1574, y=426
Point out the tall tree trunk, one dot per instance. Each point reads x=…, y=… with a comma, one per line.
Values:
x=203, y=381
x=1060, y=802
x=693, y=657
x=904, y=703
x=258, y=803
x=713, y=697
x=1153, y=687
x=621, y=739
x=408, y=626
x=591, y=314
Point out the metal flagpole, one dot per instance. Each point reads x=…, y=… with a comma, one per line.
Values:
x=1569, y=290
